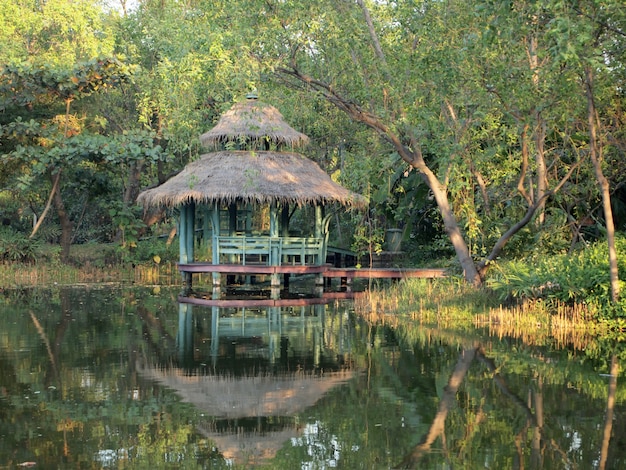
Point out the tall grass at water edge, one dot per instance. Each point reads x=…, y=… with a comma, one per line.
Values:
x=453, y=304
x=23, y=275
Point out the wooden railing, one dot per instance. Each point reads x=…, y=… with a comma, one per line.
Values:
x=271, y=250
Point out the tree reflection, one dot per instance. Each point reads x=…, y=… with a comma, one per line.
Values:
x=533, y=411
x=424, y=397
x=610, y=407
x=448, y=400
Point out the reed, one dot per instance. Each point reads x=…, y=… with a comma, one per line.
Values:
x=25, y=275
x=447, y=304
x=425, y=301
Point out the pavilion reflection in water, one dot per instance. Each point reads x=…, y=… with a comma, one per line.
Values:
x=252, y=371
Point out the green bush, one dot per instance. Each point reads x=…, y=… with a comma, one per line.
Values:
x=16, y=246
x=155, y=250
x=582, y=277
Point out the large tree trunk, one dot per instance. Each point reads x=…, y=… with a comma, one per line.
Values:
x=132, y=187
x=539, y=132
x=66, y=225
x=452, y=227
x=540, y=162
x=412, y=156
x=595, y=152
x=55, y=186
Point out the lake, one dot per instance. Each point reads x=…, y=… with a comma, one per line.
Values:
x=127, y=377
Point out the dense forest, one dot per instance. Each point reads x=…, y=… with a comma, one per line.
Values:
x=488, y=131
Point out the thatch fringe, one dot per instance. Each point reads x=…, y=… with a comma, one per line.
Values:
x=251, y=177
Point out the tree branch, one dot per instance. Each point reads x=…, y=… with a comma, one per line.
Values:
x=46, y=209
x=504, y=239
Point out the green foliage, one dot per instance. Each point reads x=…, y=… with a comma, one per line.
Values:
x=26, y=84
x=155, y=250
x=368, y=240
x=457, y=81
x=15, y=246
x=128, y=221
x=56, y=32
x=578, y=278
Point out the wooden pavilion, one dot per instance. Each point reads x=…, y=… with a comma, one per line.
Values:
x=244, y=193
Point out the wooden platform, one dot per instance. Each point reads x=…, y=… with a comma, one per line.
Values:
x=252, y=268
x=384, y=273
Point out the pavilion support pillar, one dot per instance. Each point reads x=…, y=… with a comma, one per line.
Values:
x=186, y=234
x=274, y=254
x=284, y=220
x=248, y=209
x=319, y=215
x=274, y=228
x=207, y=232
x=232, y=231
x=191, y=231
x=215, y=254
x=284, y=231
x=319, y=234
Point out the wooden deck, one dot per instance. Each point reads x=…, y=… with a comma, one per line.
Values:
x=385, y=273
x=252, y=268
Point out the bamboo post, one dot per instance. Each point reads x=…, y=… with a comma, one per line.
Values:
x=215, y=256
x=274, y=255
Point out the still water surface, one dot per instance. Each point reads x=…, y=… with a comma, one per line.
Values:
x=126, y=377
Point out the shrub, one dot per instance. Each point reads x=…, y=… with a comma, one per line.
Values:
x=582, y=277
x=16, y=246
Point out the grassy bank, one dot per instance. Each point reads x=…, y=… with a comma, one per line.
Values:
x=452, y=304
x=92, y=263
x=14, y=275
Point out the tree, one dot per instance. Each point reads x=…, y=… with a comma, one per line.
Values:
x=48, y=152
x=458, y=93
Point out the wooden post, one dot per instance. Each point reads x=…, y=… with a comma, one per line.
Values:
x=319, y=234
x=215, y=256
x=191, y=231
x=185, y=226
x=284, y=231
x=274, y=261
x=207, y=232
x=248, y=208
x=284, y=220
x=232, y=231
x=182, y=235
x=273, y=220
x=318, y=221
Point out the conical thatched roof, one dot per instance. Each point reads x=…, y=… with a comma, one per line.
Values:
x=253, y=177
x=252, y=120
x=241, y=397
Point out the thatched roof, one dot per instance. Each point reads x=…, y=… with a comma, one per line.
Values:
x=251, y=177
x=252, y=120
x=251, y=447
x=233, y=398
x=241, y=397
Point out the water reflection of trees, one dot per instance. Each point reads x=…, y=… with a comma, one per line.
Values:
x=522, y=405
x=72, y=399
x=467, y=401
